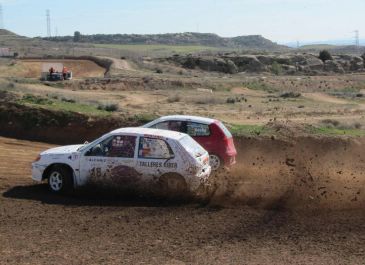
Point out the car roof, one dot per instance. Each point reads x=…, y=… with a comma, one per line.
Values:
x=186, y=118
x=140, y=131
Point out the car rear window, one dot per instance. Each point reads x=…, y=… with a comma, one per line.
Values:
x=224, y=129
x=198, y=129
x=192, y=146
x=178, y=126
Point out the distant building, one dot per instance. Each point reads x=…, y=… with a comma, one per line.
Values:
x=6, y=52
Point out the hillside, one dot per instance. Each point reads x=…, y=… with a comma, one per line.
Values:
x=188, y=38
x=4, y=32
x=335, y=49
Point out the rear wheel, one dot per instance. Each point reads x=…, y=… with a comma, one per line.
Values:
x=215, y=162
x=60, y=179
x=173, y=185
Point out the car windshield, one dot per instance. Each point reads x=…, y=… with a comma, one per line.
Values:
x=192, y=146
x=86, y=145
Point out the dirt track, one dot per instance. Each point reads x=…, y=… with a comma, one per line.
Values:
x=33, y=68
x=39, y=228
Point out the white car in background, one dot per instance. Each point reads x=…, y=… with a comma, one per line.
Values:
x=128, y=158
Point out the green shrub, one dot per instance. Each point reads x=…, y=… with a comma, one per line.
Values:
x=109, y=107
x=68, y=100
x=325, y=55
x=290, y=95
x=189, y=63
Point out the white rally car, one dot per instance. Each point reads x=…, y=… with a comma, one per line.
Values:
x=128, y=158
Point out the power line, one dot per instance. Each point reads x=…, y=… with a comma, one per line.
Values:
x=48, y=15
x=1, y=17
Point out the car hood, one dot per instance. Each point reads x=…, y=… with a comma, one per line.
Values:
x=62, y=150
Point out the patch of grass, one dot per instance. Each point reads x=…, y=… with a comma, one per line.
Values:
x=330, y=123
x=324, y=130
x=31, y=99
x=143, y=118
x=201, y=100
x=24, y=80
x=347, y=92
x=61, y=105
x=55, y=84
x=244, y=129
x=256, y=85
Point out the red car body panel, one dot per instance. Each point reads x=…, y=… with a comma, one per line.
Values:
x=219, y=143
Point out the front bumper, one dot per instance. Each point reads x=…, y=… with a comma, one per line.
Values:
x=37, y=171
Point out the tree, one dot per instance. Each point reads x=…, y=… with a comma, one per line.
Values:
x=77, y=36
x=325, y=55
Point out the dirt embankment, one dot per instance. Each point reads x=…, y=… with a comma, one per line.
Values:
x=22, y=122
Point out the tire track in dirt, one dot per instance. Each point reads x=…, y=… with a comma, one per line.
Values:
x=38, y=227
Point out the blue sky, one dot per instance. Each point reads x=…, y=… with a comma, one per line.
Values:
x=279, y=20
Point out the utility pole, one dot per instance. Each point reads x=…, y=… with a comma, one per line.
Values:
x=1, y=17
x=48, y=16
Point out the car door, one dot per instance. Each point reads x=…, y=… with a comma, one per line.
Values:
x=155, y=157
x=111, y=161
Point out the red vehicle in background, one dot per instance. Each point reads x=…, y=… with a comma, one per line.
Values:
x=209, y=133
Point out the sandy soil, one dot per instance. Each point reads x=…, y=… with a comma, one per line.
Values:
x=37, y=227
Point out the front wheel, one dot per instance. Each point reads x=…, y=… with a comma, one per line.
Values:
x=215, y=162
x=59, y=180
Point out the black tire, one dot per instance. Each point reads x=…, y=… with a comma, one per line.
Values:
x=173, y=186
x=60, y=180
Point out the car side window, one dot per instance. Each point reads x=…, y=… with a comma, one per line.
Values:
x=178, y=126
x=197, y=129
x=115, y=146
x=154, y=148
